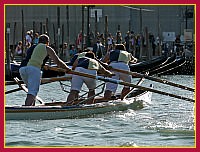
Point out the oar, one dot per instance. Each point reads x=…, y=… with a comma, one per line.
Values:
x=12, y=82
x=138, y=83
x=153, y=79
x=119, y=82
x=43, y=81
x=53, y=79
x=149, y=77
x=13, y=90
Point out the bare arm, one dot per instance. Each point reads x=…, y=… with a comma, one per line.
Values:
x=106, y=58
x=133, y=60
x=56, y=59
x=75, y=64
x=104, y=71
x=105, y=65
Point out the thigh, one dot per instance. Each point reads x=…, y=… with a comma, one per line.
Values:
x=123, y=76
x=34, y=76
x=126, y=78
x=90, y=83
x=112, y=86
x=24, y=74
x=76, y=83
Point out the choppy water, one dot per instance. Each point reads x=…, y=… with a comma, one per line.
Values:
x=165, y=122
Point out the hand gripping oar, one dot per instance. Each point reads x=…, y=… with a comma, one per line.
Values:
x=153, y=79
x=119, y=82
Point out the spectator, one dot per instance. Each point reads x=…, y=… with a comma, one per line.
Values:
x=18, y=49
x=72, y=51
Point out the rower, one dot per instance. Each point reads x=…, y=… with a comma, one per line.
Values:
x=31, y=72
x=87, y=65
x=118, y=59
x=78, y=55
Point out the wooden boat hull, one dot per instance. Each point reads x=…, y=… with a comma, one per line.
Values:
x=173, y=68
x=147, y=65
x=62, y=112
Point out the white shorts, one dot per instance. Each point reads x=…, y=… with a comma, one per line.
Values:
x=77, y=81
x=31, y=76
x=119, y=76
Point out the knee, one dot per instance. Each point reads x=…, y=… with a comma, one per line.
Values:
x=107, y=94
x=91, y=91
x=126, y=88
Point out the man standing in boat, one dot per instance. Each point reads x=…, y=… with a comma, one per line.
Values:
x=31, y=73
x=118, y=59
x=88, y=65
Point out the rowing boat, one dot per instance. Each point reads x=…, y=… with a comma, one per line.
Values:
x=135, y=100
x=59, y=110
x=148, y=65
x=170, y=68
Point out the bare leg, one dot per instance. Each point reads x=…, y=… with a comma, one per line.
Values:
x=90, y=94
x=72, y=96
x=125, y=91
x=30, y=100
x=107, y=94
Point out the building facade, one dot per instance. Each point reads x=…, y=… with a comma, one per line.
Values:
x=64, y=22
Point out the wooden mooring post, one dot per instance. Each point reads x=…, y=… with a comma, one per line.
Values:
x=8, y=66
x=106, y=32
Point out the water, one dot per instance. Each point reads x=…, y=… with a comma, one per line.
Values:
x=165, y=122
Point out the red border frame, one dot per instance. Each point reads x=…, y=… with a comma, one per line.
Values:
x=2, y=2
